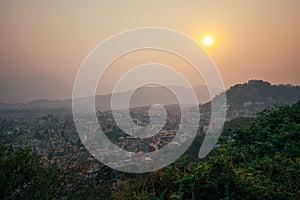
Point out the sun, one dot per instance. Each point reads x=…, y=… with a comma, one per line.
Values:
x=208, y=40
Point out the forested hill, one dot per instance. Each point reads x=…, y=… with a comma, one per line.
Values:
x=254, y=96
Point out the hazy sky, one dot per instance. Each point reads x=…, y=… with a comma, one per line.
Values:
x=257, y=39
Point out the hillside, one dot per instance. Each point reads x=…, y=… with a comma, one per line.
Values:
x=243, y=99
x=261, y=161
x=143, y=96
x=246, y=100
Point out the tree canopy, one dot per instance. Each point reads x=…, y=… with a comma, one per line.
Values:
x=23, y=176
x=257, y=161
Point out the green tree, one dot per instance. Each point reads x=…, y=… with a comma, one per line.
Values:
x=257, y=161
x=23, y=176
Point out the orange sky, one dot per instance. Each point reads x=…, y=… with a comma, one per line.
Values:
x=253, y=39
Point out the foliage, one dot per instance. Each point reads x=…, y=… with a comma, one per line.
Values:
x=22, y=176
x=260, y=161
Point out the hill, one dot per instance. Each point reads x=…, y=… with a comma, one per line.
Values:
x=246, y=100
x=143, y=96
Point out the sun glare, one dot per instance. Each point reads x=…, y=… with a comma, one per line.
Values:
x=207, y=40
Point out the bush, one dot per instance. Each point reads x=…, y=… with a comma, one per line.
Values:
x=262, y=162
x=22, y=176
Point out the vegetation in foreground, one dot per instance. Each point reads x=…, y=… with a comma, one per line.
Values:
x=23, y=176
x=258, y=161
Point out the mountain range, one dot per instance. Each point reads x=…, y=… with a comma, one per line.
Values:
x=143, y=96
x=243, y=99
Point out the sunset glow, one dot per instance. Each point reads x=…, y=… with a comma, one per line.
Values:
x=44, y=43
x=208, y=40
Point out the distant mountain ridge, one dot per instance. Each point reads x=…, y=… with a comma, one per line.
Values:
x=28, y=88
x=143, y=96
x=243, y=99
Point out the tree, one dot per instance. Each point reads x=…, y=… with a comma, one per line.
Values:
x=258, y=161
x=23, y=176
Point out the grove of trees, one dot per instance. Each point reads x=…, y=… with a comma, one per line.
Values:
x=257, y=161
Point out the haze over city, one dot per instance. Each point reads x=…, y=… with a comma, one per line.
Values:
x=43, y=43
x=114, y=99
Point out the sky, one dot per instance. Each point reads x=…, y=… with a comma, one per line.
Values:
x=43, y=43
